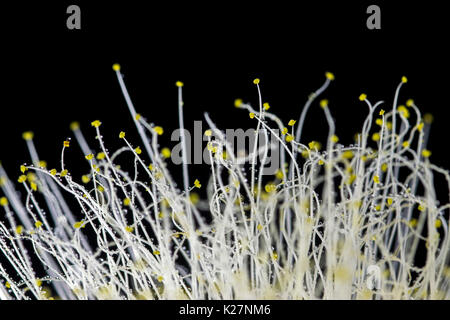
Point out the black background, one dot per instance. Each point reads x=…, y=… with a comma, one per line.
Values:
x=53, y=75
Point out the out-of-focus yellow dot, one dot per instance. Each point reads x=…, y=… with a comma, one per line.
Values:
x=179, y=84
x=256, y=81
x=19, y=229
x=347, y=154
x=78, y=225
x=270, y=187
x=334, y=138
x=403, y=111
x=3, y=201
x=116, y=67
x=314, y=145
x=194, y=198
x=420, y=126
x=74, y=126
x=166, y=152
x=85, y=179
x=159, y=130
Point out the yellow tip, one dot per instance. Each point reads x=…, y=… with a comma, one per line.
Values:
x=426, y=153
x=166, y=152
x=74, y=126
x=179, y=84
x=159, y=130
x=323, y=103
x=362, y=97
x=329, y=76
x=256, y=81
x=28, y=135
x=116, y=67
x=428, y=118
x=3, y=201
x=96, y=123
x=404, y=79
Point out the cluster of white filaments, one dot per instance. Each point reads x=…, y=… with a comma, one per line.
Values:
x=315, y=230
